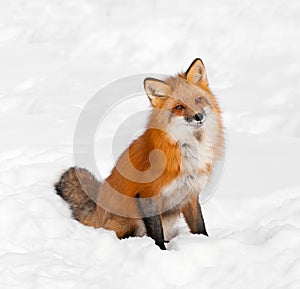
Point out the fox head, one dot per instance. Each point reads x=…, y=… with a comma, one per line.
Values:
x=184, y=101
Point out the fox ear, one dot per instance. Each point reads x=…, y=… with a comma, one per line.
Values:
x=196, y=73
x=157, y=91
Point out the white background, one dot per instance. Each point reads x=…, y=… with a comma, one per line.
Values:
x=55, y=55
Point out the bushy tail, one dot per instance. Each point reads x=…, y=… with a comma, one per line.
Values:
x=79, y=188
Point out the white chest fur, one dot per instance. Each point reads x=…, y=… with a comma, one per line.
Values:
x=195, y=155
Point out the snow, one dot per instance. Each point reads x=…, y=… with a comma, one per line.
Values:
x=55, y=55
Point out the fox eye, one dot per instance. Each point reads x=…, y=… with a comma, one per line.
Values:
x=179, y=107
x=198, y=99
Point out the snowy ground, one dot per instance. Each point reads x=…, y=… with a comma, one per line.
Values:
x=55, y=55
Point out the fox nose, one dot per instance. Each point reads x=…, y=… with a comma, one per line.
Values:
x=199, y=116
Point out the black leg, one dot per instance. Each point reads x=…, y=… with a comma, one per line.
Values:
x=193, y=215
x=151, y=218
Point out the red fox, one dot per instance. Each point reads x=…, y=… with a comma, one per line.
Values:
x=161, y=174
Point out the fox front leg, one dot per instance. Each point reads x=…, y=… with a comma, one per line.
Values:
x=151, y=217
x=193, y=215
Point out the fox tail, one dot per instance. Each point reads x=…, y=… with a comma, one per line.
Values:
x=79, y=188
